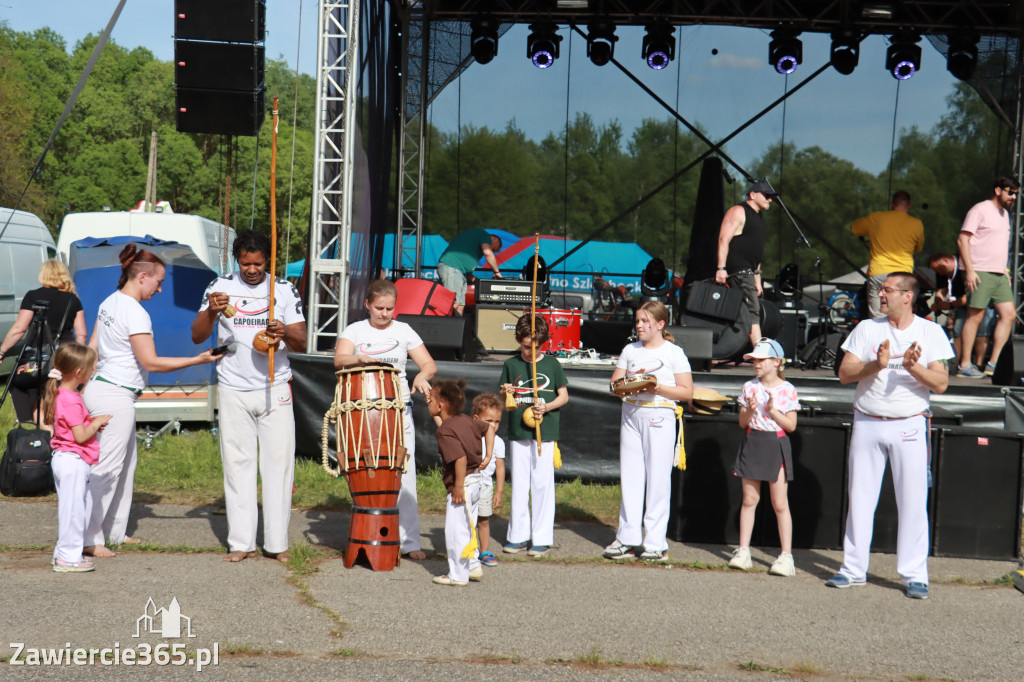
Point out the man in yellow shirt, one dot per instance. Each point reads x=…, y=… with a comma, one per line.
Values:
x=895, y=237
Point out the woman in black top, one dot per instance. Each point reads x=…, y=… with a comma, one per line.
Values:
x=64, y=310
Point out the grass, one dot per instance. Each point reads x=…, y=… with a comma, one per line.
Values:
x=185, y=469
x=751, y=666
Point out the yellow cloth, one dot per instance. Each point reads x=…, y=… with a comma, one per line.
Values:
x=895, y=238
x=680, y=455
x=557, y=460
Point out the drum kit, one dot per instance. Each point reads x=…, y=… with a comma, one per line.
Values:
x=368, y=414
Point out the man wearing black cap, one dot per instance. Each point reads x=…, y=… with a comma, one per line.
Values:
x=741, y=249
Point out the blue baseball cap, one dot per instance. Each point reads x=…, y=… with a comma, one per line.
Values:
x=766, y=348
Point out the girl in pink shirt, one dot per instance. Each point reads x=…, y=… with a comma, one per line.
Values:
x=75, y=450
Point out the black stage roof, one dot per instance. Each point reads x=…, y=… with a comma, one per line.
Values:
x=988, y=17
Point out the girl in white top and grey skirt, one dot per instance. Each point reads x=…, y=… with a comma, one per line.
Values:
x=768, y=413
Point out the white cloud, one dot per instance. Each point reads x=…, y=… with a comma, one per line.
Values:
x=732, y=61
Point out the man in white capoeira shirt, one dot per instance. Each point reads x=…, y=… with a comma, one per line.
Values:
x=897, y=361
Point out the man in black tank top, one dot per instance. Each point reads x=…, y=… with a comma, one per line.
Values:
x=741, y=249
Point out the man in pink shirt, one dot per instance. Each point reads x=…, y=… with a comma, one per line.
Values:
x=984, y=244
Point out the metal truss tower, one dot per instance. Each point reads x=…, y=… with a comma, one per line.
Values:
x=331, y=230
x=412, y=153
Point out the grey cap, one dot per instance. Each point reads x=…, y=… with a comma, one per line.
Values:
x=764, y=187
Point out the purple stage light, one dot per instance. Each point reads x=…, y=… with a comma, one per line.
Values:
x=657, y=60
x=904, y=70
x=786, y=65
x=542, y=59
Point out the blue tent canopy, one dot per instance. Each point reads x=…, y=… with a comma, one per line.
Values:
x=616, y=263
x=95, y=268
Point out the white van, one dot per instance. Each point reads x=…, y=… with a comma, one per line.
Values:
x=210, y=241
x=25, y=244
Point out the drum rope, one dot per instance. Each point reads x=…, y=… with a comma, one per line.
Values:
x=343, y=404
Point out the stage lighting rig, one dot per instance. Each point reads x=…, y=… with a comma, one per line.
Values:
x=484, y=40
x=785, y=51
x=601, y=42
x=542, y=44
x=659, y=45
x=903, y=58
x=962, y=56
x=845, y=52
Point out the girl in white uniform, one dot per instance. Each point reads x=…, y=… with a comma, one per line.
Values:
x=647, y=436
x=123, y=337
x=381, y=339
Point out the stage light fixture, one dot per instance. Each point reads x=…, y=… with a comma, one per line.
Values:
x=601, y=42
x=962, y=56
x=903, y=58
x=542, y=44
x=785, y=51
x=659, y=47
x=845, y=51
x=484, y=40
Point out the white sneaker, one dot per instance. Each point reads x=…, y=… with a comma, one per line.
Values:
x=741, y=559
x=783, y=566
x=476, y=574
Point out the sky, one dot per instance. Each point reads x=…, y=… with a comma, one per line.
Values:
x=720, y=78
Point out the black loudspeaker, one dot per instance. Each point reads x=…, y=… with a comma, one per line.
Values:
x=697, y=342
x=221, y=112
x=980, y=487
x=605, y=336
x=817, y=492
x=1010, y=366
x=237, y=21
x=447, y=338
x=793, y=335
x=218, y=66
x=707, y=497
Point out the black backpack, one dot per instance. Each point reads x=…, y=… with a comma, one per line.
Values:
x=25, y=467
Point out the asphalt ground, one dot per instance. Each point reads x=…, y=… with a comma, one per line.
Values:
x=569, y=616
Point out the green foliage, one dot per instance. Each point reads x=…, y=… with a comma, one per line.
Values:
x=101, y=155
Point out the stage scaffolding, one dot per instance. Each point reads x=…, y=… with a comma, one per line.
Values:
x=435, y=40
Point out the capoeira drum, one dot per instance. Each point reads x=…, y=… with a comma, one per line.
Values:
x=368, y=415
x=564, y=327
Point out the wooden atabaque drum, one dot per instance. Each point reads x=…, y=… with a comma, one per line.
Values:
x=370, y=434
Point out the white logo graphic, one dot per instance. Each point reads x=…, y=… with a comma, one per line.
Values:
x=169, y=621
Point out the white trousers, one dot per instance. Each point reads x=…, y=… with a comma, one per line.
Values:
x=74, y=504
x=112, y=478
x=904, y=443
x=408, y=508
x=647, y=442
x=533, y=490
x=257, y=429
x=458, y=531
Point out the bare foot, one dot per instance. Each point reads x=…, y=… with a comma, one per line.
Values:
x=98, y=551
x=417, y=555
x=280, y=556
x=131, y=541
x=235, y=557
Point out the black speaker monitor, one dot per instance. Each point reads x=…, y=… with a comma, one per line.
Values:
x=1010, y=366
x=236, y=21
x=219, y=112
x=218, y=66
x=446, y=338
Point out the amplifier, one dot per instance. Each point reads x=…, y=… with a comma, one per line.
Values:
x=496, y=328
x=508, y=291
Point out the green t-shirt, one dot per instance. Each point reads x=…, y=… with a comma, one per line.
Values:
x=464, y=252
x=550, y=378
